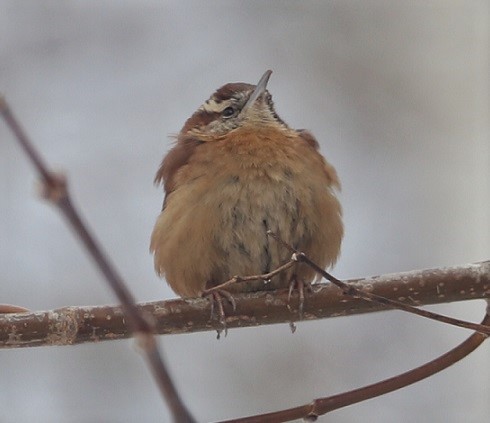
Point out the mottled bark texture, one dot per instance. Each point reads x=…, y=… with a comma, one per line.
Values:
x=75, y=325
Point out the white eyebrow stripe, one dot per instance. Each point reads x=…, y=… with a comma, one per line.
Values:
x=212, y=106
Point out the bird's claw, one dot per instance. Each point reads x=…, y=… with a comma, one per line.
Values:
x=216, y=297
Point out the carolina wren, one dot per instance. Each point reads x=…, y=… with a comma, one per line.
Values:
x=237, y=170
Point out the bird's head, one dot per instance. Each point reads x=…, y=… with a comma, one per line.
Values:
x=232, y=106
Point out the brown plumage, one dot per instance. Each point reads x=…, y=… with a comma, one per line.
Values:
x=236, y=171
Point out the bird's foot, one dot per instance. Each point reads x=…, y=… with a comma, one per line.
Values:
x=216, y=298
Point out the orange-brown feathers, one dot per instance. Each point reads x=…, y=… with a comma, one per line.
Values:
x=177, y=157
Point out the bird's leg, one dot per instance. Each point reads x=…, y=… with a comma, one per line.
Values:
x=216, y=297
x=301, y=286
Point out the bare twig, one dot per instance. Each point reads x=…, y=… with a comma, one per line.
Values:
x=322, y=406
x=55, y=190
x=359, y=293
x=263, y=277
x=9, y=309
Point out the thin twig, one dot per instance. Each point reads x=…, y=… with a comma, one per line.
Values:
x=322, y=406
x=264, y=277
x=55, y=190
x=359, y=293
x=10, y=309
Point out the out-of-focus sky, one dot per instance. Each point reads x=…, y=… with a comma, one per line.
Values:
x=396, y=92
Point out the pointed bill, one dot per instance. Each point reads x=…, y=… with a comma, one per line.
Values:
x=260, y=89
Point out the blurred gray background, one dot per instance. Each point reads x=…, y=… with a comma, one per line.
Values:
x=397, y=94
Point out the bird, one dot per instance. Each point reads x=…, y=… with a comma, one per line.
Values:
x=235, y=172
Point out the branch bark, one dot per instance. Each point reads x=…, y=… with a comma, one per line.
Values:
x=75, y=325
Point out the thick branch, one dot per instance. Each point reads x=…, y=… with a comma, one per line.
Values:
x=75, y=325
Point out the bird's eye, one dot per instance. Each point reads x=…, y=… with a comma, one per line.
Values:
x=228, y=112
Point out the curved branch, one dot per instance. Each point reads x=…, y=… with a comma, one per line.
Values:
x=321, y=406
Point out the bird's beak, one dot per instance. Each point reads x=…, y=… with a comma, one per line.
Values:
x=260, y=89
